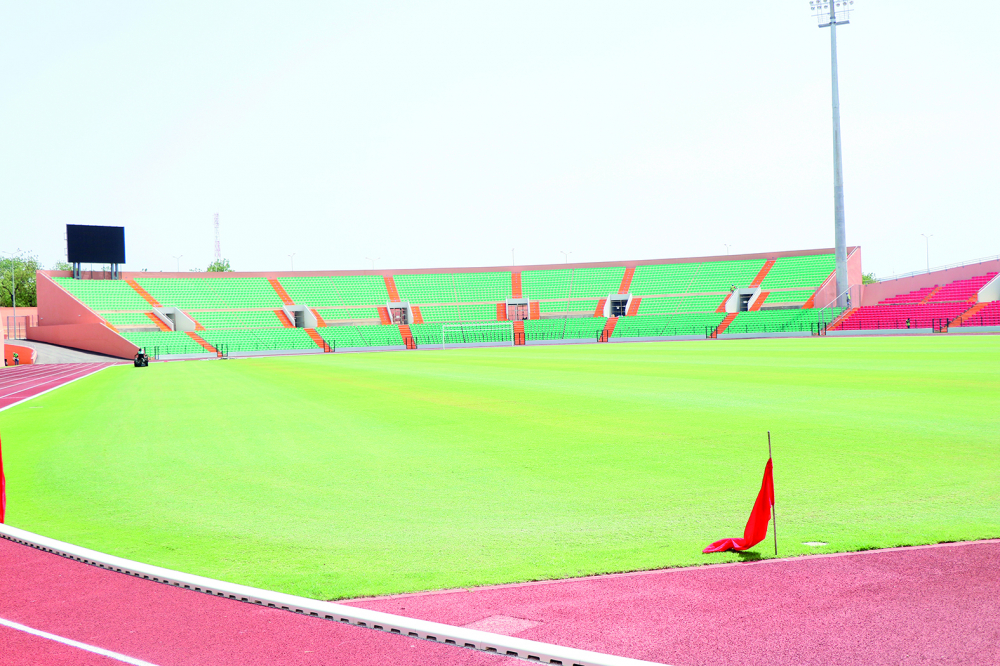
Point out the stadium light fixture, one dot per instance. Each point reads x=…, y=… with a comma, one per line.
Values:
x=727, y=247
x=566, y=256
x=178, y=258
x=927, y=238
x=830, y=14
x=373, y=261
x=291, y=258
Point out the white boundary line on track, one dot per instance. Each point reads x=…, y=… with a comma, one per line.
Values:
x=545, y=653
x=55, y=387
x=43, y=372
x=77, y=644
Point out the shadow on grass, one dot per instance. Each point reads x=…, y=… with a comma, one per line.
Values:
x=748, y=555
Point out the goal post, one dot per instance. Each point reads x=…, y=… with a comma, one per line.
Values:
x=496, y=333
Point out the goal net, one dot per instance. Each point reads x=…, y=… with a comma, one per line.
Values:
x=494, y=332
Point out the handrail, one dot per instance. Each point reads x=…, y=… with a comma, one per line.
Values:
x=938, y=268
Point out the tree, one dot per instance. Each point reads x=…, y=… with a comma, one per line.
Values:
x=21, y=268
x=220, y=266
x=62, y=266
x=868, y=278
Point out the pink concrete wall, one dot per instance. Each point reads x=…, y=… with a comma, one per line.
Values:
x=25, y=355
x=467, y=269
x=90, y=337
x=26, y=316
x=63, y=320
x=873, y=293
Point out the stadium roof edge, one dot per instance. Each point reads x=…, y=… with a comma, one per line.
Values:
x=470, y=269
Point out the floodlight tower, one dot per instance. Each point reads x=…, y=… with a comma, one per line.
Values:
x=830, y=14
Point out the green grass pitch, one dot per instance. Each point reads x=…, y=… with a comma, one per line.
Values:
x=358, y=474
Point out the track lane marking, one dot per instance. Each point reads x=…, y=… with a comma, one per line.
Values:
x=18, y=401
x=38, y=376
x=77, y=644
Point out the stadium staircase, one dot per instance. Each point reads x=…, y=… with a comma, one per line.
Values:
x=969, y=314
x=159, y=322
x=418, y=318
x=626, y=280
x=201, y=341
x=319, y=318
x=633, y=307
x=318, y=339
x=763, y=273
x=390, y=287
x=760, y=301
x=609, y=329
x=142, y=292
x=533, y=311
x=383, y=316
x=501, y=312
x=282, y=294
x=515, y=284
x=599, y=310
x=197, y=324
x=408, y=341
x=730, y=318
x=283, y=318
x=841, y=320
x=519, y=332
x=722, y=305
x=930, y=296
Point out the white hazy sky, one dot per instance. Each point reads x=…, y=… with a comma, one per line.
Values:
x=446, y=133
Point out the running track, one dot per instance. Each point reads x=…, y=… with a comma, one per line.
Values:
x=25, y=381
x=922, y=605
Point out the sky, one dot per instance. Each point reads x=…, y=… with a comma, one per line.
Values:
x=436, y=134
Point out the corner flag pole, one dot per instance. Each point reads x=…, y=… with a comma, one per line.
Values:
x=774, y=514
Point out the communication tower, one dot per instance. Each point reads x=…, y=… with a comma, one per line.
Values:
x=218, y=250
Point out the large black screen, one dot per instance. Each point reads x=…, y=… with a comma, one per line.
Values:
x=95, y=245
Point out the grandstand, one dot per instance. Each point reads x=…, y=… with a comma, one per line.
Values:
x=934, y=307
x=212, y=314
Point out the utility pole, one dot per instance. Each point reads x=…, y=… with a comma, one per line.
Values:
x=927, y=238
x=566, y=255
x=830, y=14
x=291, y=258
x=178, y=258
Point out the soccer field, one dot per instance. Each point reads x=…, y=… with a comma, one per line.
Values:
x=341, y=475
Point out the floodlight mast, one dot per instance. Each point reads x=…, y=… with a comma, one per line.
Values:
x=830, y=14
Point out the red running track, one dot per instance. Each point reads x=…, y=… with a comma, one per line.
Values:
x=26, y=381
x=169, y=626
x=922, y=605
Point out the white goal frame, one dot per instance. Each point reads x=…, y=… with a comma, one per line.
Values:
x=481, y=326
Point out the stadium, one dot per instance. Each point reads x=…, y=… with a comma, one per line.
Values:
x=491, y=464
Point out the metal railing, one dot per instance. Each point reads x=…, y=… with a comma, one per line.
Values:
x=937, y=268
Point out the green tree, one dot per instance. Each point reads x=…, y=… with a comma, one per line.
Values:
x=868, y=278
x=17, y=275
x=220, y=266
x=62, y=266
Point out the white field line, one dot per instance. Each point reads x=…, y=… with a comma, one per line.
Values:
x=77, y=644
x=53, y=388
x=433, y=631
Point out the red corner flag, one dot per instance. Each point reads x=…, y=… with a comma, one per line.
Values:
x=756, y=528
x=3, y=489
